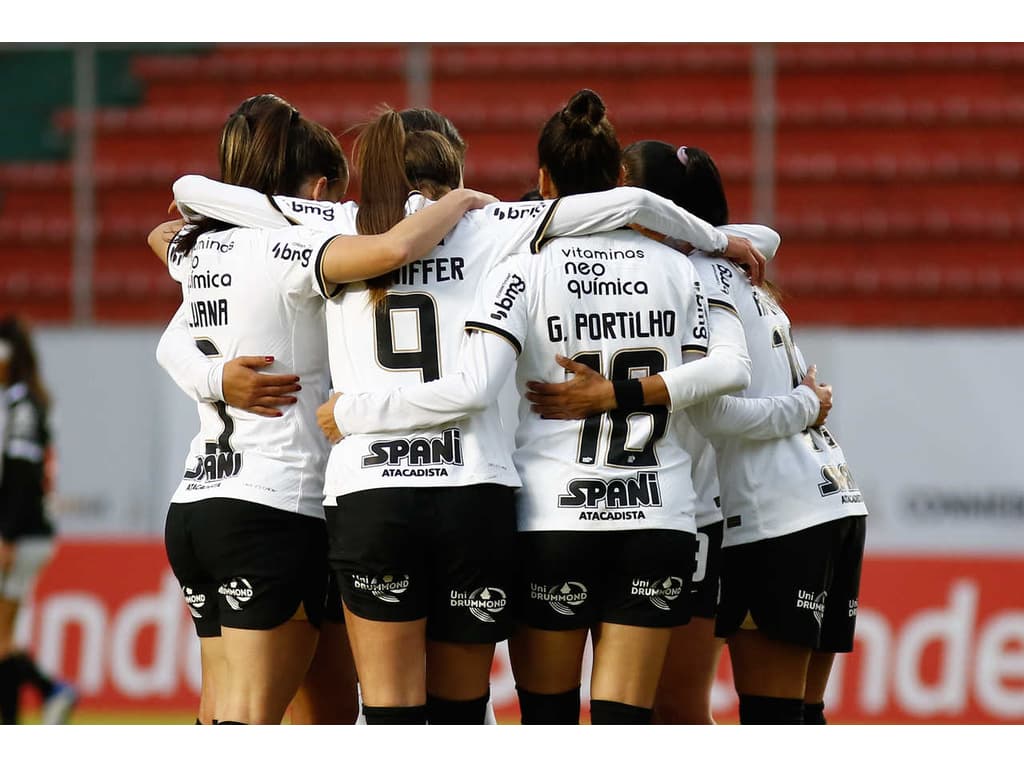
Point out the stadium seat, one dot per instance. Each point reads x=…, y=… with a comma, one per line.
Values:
x=897, y=166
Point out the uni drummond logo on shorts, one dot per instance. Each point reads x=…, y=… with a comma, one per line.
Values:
x=387, y=588
x=660, y=591
x=237, y=592
x=195, y=601
x=562, y=597
x=812, y=602
x=483, y=603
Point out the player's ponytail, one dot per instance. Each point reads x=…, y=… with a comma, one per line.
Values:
x=254, y=143
x=579, y=148
x=685, y=175
x=267, y=145
x=394, y=160
x=379, y=154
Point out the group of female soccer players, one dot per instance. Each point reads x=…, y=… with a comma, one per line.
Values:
x=635, y=486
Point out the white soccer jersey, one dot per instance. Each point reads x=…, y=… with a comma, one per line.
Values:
x=403, y=341
x=414, y=336
x=248, y=292
x=628, y=307
x=774, y=487
x=754, y=418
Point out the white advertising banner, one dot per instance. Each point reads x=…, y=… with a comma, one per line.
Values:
x=929, y=420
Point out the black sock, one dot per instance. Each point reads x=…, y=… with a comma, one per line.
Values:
x=814, y=714
x=448, y=712
x=32, y=675
x=10, y=684
x=198, y=721
x=549, y=708
x=395, y=715
x=235, y=722
x=616, y=713
x=769, y=710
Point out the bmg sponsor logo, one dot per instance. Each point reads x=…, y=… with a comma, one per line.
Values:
x=292, y=252
x=325, y=212
x=510, y=290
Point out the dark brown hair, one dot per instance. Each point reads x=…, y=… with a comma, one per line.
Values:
x=268, y=146
x=579, y=148
x=392, y=160
x=685, y=175
x=423, y=119
x=23, y=366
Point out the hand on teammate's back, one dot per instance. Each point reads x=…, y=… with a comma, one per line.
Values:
x=742, y=252
x=325, y=419
x=823, y=391
x=478, y=199
x=260, y=393
x=586, y=393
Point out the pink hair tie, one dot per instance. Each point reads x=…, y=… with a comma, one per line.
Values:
x=681, y=155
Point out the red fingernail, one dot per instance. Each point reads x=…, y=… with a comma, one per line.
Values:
x=269, y=358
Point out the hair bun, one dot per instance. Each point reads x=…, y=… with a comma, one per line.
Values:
x=584, y=111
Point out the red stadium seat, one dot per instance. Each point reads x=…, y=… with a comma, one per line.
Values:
x=898, y=167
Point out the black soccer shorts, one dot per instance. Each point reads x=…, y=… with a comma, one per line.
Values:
x=801, y=588
x=575, y=579
x=444, y=554
x=246, y=566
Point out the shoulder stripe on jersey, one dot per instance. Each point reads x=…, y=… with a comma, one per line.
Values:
x=321, y=281
x=289, y=219
x=473, y=325
x=695, y=348
x=540, y=237
x=723, y=305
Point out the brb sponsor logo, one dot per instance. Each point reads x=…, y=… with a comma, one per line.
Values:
x=561, y=597
x=387, y=588
x=195, y=601
x=510, y=290
x=515, y=212
x=417, y=455
x=618, y=499
x=237, y=592
x=483, y=603
x=815, y=603
x=660, y=592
